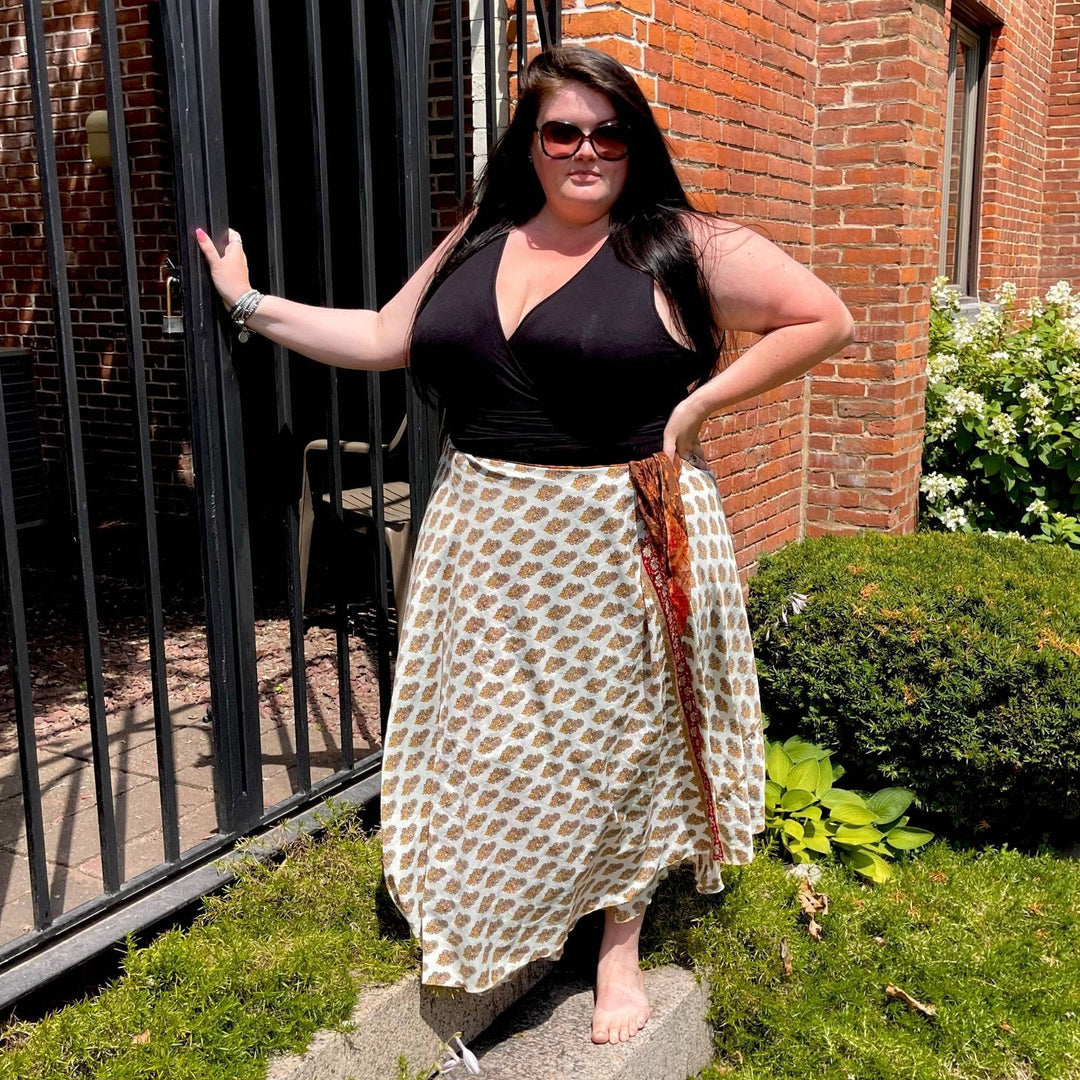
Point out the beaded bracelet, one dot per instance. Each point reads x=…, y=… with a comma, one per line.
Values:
x=243, y=309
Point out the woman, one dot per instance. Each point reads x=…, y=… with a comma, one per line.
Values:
x=575, y=706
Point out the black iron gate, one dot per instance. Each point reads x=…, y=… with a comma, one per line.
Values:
x=344, y=128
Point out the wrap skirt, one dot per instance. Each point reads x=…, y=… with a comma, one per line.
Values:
x=575, y=708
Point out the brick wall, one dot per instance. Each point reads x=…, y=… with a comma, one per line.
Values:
x=93, y=255
x=1061, y=181
x=1016, y=145
x=880, y=98
x=822, y=123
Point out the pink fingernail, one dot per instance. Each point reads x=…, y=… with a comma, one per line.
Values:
x=200, y=234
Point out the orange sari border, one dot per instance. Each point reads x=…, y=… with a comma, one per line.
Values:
x=665, y=557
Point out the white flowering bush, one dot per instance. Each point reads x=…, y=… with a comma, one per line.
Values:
x=1002, y=439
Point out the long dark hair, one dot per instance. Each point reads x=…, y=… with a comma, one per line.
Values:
x=646, y=230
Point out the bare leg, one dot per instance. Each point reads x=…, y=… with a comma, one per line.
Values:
x=621, y=1005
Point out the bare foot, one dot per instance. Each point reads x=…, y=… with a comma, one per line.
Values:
x=621, y=1009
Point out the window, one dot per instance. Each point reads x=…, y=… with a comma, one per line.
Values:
x=962, y=161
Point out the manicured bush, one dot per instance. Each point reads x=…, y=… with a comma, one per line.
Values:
x=945, y=663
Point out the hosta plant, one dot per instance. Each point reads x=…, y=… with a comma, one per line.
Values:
x=812, y=818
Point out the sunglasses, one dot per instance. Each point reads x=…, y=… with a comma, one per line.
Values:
x=559, y=139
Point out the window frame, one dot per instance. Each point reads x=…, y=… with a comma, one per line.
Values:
x=967, y=27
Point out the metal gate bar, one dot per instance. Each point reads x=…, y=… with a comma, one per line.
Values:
x=325, y=292
x=366, y=243
x=193, y=65
x=65, y=348
x=20, y=672
x=457, y=78
x=411, y=36
x=282, y=383
x=125, y=228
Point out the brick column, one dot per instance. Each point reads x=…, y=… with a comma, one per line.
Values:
x=880, y=95
x=1061, y=188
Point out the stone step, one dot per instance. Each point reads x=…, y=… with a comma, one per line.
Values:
x=546, y=1035
x=406, y=1021
x=533, y=1026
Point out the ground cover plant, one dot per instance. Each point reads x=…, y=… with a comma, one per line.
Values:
x=279, y=956
x=981, y=950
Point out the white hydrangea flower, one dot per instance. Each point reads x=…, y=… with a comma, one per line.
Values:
x=1070, y=331
x=1038, y=422
x=1059, y=293
x=943, y=296
x=941, y=366
x=1003, y=429
x=937, y=486
x=963, y=333
x=940, y=428
x=1033, y=393
x=1032, y=354
x=1006, y=293
x=952, y=517
x=961, y=402
x=988, y=321
x=1038, y=507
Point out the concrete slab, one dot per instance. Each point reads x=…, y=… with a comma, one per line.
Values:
x=547, y=1034
x=64, y=795
x=146, y=851
x=71, y=826
x=50, y=767
x=68, y=888
x=69, y=803
x=406, y=1021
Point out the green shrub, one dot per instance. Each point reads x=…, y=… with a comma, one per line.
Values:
x=945, y=663
x=1002, y=437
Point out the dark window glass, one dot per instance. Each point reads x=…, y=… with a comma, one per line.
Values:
x=961, y=170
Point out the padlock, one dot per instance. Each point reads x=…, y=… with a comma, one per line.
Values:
x=174, y=324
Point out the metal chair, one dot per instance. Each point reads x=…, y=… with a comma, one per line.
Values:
x=397, y=515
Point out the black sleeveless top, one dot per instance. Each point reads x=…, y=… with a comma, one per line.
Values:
x=589, y=377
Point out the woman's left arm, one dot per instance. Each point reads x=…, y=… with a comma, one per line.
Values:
x=757, y=287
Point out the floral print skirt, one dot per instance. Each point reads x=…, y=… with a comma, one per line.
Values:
x=575, y=708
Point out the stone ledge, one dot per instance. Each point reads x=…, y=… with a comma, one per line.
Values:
x=547, y=1034
x=403, y=1020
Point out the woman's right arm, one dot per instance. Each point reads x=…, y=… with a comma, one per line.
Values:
x=341, y=337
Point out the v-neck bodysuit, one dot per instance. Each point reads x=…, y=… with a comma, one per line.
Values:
x=589, y=376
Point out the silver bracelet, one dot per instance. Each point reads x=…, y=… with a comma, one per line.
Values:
x=243, y=309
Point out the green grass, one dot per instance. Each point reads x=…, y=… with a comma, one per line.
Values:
x=280, y=955
x=991, y=938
